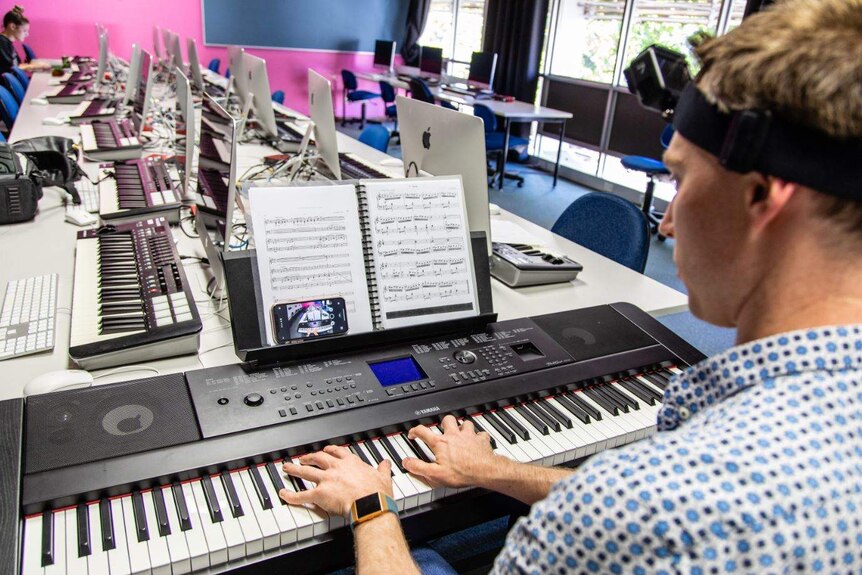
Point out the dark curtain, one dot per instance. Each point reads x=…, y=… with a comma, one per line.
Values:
x=417, y=15
x=515, y=30
x=753, y=6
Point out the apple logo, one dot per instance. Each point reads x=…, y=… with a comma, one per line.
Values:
x=426, y=139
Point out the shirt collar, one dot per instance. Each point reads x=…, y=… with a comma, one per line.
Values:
x=833, y=348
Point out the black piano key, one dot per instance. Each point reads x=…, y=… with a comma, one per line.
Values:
x=573, y=408
x=393, y=453
x=531, y=418
x=638, y=391
x=141, y=527
x=235, y=506
x=106, y=521
x=501, y=428
x=211, y=499
x=47, y=538
x=260, y=488
x=604, y=390
x=182, y=507
x=575, y=398
x=375, y=453
x=657, y=380
x=275, y=478
x=164, y=524
x=481, y=429
x=599, y=398
x=513, y=424
x=417, y=451
x=83, y=520
x=298, y=484
x=541, y=414
x=558, y=415
x=360, y=453
x=620, y=394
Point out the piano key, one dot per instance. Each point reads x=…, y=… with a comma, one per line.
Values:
x=230, y=489
x=618, y=431
x=581, y=436
x=162, y=522
x=212, y=531
x=394, y=456
x=194, y=539
x=230, y=525
x=57, y=531
x=265, y=519
x=537, y=423
x=659, y=381
x=97, y=560
x=649, y=385
x=48, y=550
x=211, y=500
x=639, y=390
x=141, y=527
x=300, y=515
x=576, y=397
x=251, y=532
x=82, y=520
x=627, y=400
x=75, y=562
x=535, y=445
x=562, y=419
x=376, y=455
x=31, y=553
x=118, y=553
x=415, y=450
x=259, y=489
x=505, y=415
x=601, y=400
x=373, y=455
x=287, y=527
x=160, y=558
x=408, y=491
x=598, y=428
x=480, y=429
x=360, y=453
x=504, y=446
x=424, y=492
x=181, y=506
x=504, y=432
x=319, y=517
x=178, y=548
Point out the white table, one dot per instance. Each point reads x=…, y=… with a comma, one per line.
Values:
x=47, y=245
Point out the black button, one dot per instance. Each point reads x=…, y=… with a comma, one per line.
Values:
x=329, y=380
x=309, y=407
x=293, y=411
x=340, y=401
x=352, y=386
x=389, y=392
x=454, y=376
x=464, y=356
x=415, y=387
x=337, y=388
x=297, y=396
x=292, y=387
x=319, y=405
x=253, y=399
x=432, y=384
x=223, y=401
x=313, y=392
x=405, y=388
x=350, y=399
x=359, y=397
x=273, y=391
x=330, y=403
x=339, y=379
x=308, y=385
x=423, y=385
x=282, y=413
x=349, y=378
x=328, y=390
x=284, y=389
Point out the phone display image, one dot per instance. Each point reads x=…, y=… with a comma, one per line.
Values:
x=309, y=319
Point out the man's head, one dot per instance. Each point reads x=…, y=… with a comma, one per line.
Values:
x=802, y=61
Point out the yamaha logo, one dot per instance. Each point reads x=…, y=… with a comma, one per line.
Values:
x=127, y=420
x=426, y=411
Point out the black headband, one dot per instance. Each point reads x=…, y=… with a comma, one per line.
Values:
x=756, y=140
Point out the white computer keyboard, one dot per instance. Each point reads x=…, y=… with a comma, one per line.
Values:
x=89, y=195
x=28, y=315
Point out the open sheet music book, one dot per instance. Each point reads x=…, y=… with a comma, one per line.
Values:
x=397, y=251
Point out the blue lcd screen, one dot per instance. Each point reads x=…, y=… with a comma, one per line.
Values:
x=397, y=371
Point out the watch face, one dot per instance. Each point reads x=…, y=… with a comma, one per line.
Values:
x=367, y=505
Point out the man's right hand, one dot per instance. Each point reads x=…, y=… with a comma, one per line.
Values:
x=463, y=457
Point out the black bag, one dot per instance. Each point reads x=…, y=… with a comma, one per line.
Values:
x=56, y=161
x=20, y=189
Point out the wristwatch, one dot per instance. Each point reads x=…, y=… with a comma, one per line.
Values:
x=371, y=506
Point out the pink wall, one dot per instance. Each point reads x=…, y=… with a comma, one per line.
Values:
x=63, y=27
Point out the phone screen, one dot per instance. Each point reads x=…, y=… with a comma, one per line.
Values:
x=309, y=319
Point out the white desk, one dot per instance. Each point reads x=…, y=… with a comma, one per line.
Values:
x=47, y=245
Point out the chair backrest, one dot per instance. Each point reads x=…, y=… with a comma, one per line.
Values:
x=278, y=96
x=375, y=136
x=8, y=108
x=387, y=92
x=11, y=82
x=666, y=136
x=2, y=138
x=419, y=90
x=349, y=79
x=487, y=116
x=29, y=53
x=214, y=65
x=608, y=225
x=22, y=76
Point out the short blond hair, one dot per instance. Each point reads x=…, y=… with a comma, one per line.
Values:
x=801, y=59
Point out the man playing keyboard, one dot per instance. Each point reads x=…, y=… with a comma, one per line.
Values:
x=756, y=465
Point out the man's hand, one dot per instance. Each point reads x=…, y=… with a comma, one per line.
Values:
x=463, y=457
x=341, y=479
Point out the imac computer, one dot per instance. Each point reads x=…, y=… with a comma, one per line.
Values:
x=384, y=55
x=157, y=40
x=482, y=68
x=141, y=102
x=134, y=71
x=194, y=65
x=168, y=45
x=431, y=62
x=236, y=57
x=176, y=53
x=257, y=82
x=216, y=183
x=102, y=66
x=321, y=112
x=446, y=142
x=184, y=134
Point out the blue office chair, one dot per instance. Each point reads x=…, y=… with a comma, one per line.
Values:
x=2, y=139
x=29, y=54
x=419, y=90
x=375, y=136
x=8, y=108
x=278, y=96
x=11, y=82
x=352, y=93
x=652, y=168
x=214, y=65
x=22, y=76
x=608, y=225
x=227, y=73
x=387, y=93
x=494, y=140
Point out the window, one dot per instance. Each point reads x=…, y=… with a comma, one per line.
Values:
x=456, y=26
x=586, y=39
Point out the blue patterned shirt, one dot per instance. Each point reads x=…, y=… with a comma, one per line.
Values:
x=756, y=468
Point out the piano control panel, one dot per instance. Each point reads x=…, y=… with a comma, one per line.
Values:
x=230, y=398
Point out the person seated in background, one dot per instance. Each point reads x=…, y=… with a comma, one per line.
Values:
x=756, y=465
x=15, y=27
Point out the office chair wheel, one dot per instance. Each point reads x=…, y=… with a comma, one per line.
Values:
x=521, y=183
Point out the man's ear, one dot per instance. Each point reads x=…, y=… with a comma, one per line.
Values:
x=767, y=198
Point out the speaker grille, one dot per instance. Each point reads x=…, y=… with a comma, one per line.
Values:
x=87, y=425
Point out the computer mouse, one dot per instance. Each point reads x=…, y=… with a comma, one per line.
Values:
x=39, y=101
x=79, y=216
x=58, y=381
x=50, y=121
x=494, y=209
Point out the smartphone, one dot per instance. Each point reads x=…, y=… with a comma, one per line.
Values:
x=309, y=319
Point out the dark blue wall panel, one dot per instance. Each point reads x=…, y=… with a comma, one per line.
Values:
x=346, y=25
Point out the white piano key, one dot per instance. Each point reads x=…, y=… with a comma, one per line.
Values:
x=319, y=517
x=618, y=432
x=59, y=565
x=333, y=521
x=74, y=563
x=555, y=441
x=397, y=494
x=247, y=521
x=301, y=515
x=88, y=138
x=287, y=526
x=581, y=437
x=424, y=492
x=265, y=518
x=645, y=414
x=195, y=538
x=160, y=557
x=178, y=549
x=230, y=525
x=97, y=561
x=212, y=531
x=542, y=453
x=438, y=492
x=405, y=486
x=510, y=450
x=139, y=555
x=31, y=556
x=119, y=556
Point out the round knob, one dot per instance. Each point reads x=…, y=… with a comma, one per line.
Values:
x=465, y=356
x=253, y=399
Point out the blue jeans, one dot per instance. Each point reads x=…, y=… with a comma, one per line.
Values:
x=430, y=562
